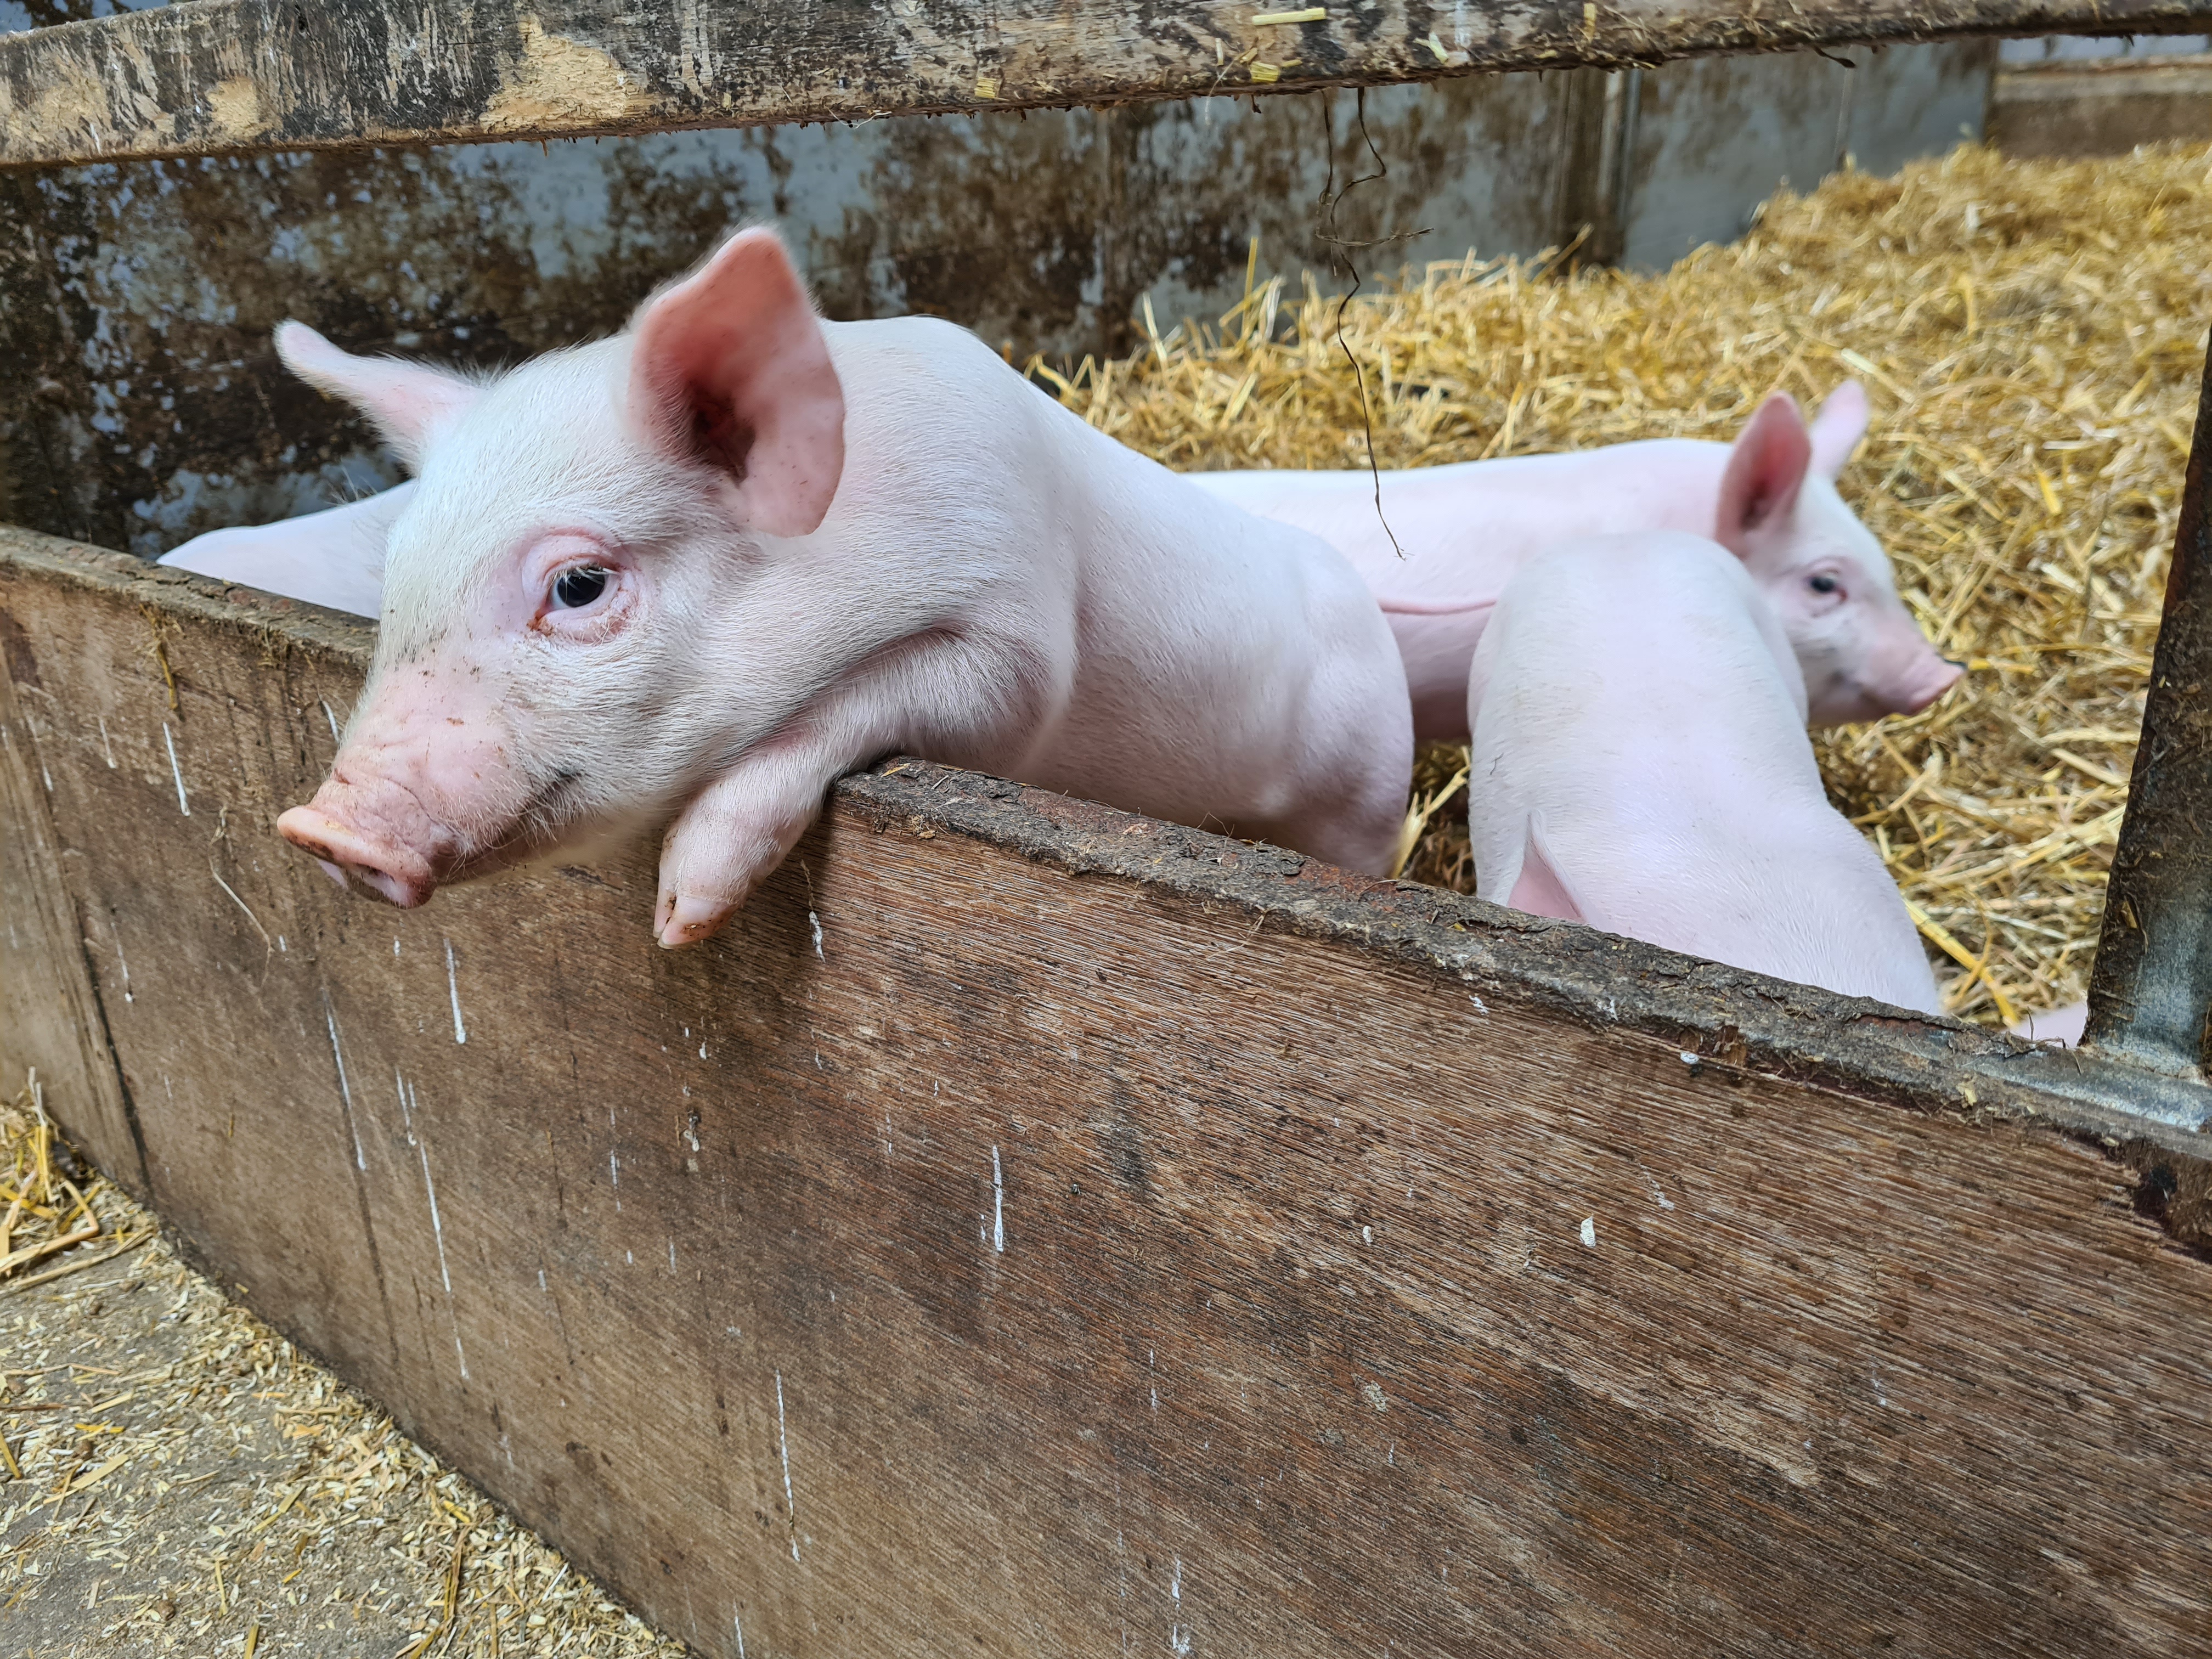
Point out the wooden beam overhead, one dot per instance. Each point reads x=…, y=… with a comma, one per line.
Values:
x=228, y=77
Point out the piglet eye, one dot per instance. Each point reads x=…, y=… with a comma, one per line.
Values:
x=1823, y=584
x=578, y=585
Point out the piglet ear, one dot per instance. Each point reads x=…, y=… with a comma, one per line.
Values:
x=1766, y=467
x=411, y=403
x=731, y=368
x=1838, y=428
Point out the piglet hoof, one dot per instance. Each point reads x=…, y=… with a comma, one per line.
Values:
x=686, y=918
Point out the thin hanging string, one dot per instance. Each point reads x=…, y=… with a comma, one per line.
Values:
x=1342, y=250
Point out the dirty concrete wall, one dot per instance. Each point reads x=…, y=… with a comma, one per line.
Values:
x=1717, y=135
x=137, y=299
x=141, y=295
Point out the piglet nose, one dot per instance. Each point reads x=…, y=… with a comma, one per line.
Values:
x=391, y=872
x=1948, y=675
x=1941, y=678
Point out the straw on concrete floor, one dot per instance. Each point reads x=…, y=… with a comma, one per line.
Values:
x=2030, y=335
x=179, y=1479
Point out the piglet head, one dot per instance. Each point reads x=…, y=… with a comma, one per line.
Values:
x=1826, y=577
x=550, y=664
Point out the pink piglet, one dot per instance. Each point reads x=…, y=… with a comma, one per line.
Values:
x=1639, y=763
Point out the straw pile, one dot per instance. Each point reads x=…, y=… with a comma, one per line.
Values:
x=178, y=1477
x=2031, y=334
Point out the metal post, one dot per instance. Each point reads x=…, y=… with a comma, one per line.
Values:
x=1616, y=163
x=2152, y=983
x=1600, y=112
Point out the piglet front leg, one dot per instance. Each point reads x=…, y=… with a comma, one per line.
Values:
x=734, y=833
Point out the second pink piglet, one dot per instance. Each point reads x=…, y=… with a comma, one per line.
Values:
x=1640, y=764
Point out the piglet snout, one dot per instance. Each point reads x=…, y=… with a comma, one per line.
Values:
x=378, y=862
x=1936, y=676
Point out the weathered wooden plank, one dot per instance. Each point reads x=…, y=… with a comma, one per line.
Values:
x=232, y=76
x=1032, y=1229
x=52, y=1027
x=2101, y=106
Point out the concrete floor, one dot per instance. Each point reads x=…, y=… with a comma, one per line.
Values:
x=192, y=1485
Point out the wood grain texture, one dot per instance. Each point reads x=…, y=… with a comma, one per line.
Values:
x=236, y=76
x=1033, y=1230
x=53, y=1029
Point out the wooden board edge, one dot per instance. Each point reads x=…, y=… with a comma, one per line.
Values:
x=291, y=623
x=1722, y=1016
x=1712, y=1015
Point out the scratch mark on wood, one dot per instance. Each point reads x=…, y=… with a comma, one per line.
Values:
x=241, y=904
x=346, y=1089
x=783, y=1446
x=407, y=1103
x=114, y=928
x=453, y=988
x=175, y=771
x=997, y=1206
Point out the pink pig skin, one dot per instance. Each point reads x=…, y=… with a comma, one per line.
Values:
x=1770, y=497
x=701, y=569
x=2062, y=1026
x=334, y=558
x=1640, y=764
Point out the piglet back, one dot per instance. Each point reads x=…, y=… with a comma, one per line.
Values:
x=1640, y=759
